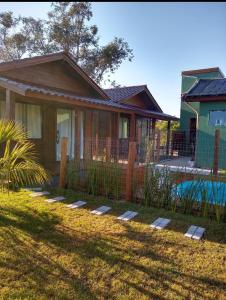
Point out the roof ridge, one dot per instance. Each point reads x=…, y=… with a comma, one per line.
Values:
x=32, y=57
x=126, y=87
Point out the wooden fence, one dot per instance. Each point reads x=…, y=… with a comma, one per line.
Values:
x=131, y=165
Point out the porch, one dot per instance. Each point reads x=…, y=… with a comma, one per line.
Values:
x=95, y=129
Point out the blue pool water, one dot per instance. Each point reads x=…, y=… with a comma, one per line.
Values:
x=215, y=192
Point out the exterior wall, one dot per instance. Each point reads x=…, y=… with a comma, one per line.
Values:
x=138, y=101
x=46, y=145
x=57, y=74
x=205, y=140
x=142, y=100
x=187, y=113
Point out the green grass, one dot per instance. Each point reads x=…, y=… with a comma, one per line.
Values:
x=48, y=251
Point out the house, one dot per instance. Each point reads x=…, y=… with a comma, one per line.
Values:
x=203, y=109
x=53, y=97
x=136, y=97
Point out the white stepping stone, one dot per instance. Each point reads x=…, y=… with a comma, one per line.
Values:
x=198, y=233
x=39, y=194
x=163, y=224
x=156, y=222
x=191, y=231
x=160, y=223
x=100, y=210
x=56, y=199
x=76, y=204
x=128, y=215
x=195, y=232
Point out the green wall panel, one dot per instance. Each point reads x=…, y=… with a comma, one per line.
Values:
x=205, y=139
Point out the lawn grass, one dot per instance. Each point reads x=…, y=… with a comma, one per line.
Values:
x=48, y=251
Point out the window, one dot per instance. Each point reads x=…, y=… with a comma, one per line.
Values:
x=145, y=127
x=143, y=124
x=2, y=109
x=217, y=118
x=123, y=128
x=29, y=116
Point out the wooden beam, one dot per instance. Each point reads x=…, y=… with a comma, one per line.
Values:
x=216, y=151
x=108, y=148
x=96, y=133
x=130, y=169
x=158, y=146
x=132, y=131
x=139, y=134
x=78, y=119
x=10, y=105
x=117, y=135
x=88, y=139
x=63, y=161
x=168, y=138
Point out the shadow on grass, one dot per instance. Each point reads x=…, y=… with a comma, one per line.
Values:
x=44, y=269
x=27, y=260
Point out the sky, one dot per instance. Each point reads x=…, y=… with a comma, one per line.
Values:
x=166, y=38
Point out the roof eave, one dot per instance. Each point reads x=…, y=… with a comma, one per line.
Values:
x=13, y=87
x=204, y=98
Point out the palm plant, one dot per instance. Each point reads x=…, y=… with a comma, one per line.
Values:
x=18, y=161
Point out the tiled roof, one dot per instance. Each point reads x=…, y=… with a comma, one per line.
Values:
x=22, y=88
x=122, y=93
x=208, y=87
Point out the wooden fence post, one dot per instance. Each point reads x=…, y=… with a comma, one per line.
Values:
x=158, y=146
x=130, y=168
x=10, y=105
x=108, y=149
x=117, y=149
x=96, y=146
x=216, y=151
x=168, y=139
x=63, y=161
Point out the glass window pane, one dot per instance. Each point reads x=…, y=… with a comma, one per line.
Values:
x=34, y=122
x=123, y=127
x=20, y=114
x=29, y=116
x=217, y=118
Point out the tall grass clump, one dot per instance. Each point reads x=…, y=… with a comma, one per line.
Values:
x=162, y=188
x=157, y=187
x=100, y=178
x=218, y=200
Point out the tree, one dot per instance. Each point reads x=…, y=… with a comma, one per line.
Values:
x=162, y=125
x=18, y=164
x=66, y=28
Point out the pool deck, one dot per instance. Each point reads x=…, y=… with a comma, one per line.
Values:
x=181, y=164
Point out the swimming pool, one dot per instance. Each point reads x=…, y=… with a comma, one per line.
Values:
x=213, y=192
